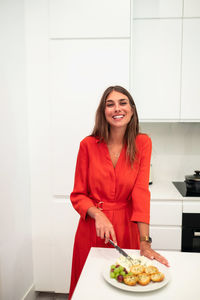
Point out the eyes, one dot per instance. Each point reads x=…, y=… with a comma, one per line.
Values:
x=111, y=104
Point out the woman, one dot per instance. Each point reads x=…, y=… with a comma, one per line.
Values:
x=111, y=191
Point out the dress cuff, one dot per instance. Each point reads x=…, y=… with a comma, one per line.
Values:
x=140, y=217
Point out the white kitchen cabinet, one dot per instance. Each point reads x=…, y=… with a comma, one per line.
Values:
x=65, y=222
x=190, y=87
x=191, y=206
x=89, y=18
x=156, y=66
x=166, y=213
x=191, y=8
x=166, y=238
x=157, y=8
x=80, y=70
x=165, y=224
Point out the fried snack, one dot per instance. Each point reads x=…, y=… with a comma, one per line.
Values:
x=130, y=279
x=144, y=279
x=157, y=277
x=151, y=270
x=137, y=269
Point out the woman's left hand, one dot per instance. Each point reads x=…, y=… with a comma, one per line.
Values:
x=145, y=249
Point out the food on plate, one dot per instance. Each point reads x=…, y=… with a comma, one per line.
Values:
x=141, y=272
x=137, y=269
x=120, y=278
x=157, y=277
x=136, y=260
x=116, y=271
x=144, y=279
x=151, y=270
x=130, y=279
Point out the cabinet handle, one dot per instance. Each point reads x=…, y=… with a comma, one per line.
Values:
x=196, y=233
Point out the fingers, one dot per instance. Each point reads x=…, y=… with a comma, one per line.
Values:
x=151, y=254
x=110, y=233
x=147, y=253
x=104, y=228
x=102, y=233
x=107, y=233
x=107, y=236
x=162, y=259
x=113, y=236
x=98, y=231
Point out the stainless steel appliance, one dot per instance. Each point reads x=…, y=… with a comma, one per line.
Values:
x=190, y=232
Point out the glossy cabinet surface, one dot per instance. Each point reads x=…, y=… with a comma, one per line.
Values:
x=191, y=8
x=190, y=87
x=166, y=213
x=165, y=67
x=156, y=65
x=89, y=18
x=165, y=224
x=166, y=238
x=191, y=206
x=157, y=8
x=80, y=70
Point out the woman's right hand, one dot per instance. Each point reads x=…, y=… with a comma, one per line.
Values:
x=104, y=227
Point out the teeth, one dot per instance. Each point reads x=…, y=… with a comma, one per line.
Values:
x=117, y=117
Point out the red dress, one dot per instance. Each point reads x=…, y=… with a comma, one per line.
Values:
x=122, y=192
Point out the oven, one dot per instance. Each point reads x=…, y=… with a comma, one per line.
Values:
x=190, y=232
x=190, y=238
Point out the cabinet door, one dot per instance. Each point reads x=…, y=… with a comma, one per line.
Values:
x=166, y=213
x=156, y=65
x=65, y=221
x=190, y=91
x=191, y=207
x=157, y=8
x=89, y=18
x=80, y=70
x=166, y=238
x=191, y=8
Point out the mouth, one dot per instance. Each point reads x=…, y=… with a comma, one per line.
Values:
x=118, y=117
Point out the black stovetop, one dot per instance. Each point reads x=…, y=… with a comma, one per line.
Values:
x=181, y=187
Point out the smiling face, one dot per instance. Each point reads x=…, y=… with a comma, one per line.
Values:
x=118, y=111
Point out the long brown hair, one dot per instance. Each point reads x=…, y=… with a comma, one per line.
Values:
x=101, y=128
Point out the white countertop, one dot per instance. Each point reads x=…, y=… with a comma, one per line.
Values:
x=165, y=190
x=184, y=283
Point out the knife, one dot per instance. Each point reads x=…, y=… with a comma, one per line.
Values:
x=121, y=251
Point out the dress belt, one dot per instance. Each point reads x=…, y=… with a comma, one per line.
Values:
x=101, y=205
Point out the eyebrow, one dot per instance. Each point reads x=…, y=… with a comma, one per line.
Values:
x=110, y=100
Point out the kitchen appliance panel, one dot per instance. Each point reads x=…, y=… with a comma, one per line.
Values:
x=190, y=232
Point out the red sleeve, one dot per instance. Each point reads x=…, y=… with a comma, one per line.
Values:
x=141, y=193
x=79, y=197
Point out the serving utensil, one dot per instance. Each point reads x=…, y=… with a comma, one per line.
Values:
x=121, y=251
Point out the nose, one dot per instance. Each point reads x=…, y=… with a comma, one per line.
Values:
x=117, y=107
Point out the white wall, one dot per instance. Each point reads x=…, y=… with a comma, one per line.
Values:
x=175, y=150
x=16, y=274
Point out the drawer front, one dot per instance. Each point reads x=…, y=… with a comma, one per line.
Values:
x=166, y=238
x=191, y=206
x=166, y=213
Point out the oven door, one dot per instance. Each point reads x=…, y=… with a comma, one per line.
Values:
x=190, y=233
x=190, y=240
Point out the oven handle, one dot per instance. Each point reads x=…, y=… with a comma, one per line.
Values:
x=197, y=233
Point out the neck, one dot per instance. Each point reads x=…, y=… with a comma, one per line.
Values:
x=116, y=136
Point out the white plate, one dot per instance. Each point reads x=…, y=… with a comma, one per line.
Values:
x=152, y=286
